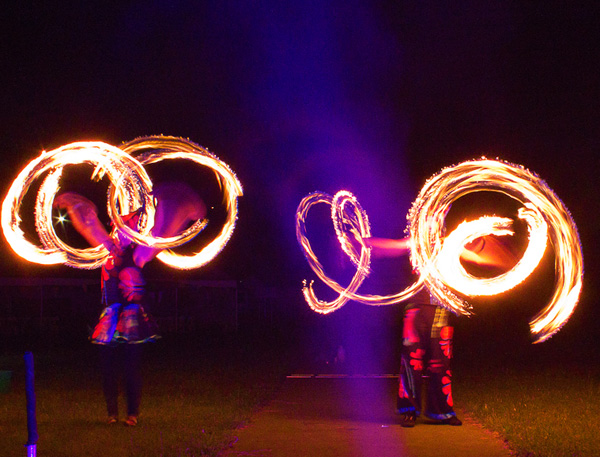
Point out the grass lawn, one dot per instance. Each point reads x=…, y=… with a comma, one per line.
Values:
x=542, y=399
x=541, y=413
x=196, y=393
x=193, y=400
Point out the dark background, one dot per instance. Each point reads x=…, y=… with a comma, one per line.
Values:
x=369, y=96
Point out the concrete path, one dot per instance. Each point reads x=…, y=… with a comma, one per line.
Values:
x=352, y=417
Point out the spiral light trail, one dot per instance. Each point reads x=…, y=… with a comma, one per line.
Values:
x=436, y=258
x=360, y=229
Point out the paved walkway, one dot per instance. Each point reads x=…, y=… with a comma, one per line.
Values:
x=352, y=417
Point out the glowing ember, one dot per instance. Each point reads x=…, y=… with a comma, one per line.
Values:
x=438, y=260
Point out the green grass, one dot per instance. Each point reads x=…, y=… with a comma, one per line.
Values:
x=197, y=394
x=193, y=401
x=550, y=411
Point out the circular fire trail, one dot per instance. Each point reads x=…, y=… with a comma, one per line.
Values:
x=436, y=256
x=130, y=189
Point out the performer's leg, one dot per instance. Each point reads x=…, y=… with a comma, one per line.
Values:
x=409, y=388
x=411, y=370
x=439, y=391
x=110, y=379
x=133, y=378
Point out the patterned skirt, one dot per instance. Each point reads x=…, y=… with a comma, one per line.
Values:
x=124, y=324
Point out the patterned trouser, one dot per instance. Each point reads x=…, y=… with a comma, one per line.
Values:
x=426, y=351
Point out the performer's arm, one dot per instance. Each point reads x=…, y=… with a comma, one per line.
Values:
x=84, y=217
x=388, y=247
x=177, y=206
x=489, y=251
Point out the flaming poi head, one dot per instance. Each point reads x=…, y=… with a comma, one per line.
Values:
x=130, y=189
x=437, y=257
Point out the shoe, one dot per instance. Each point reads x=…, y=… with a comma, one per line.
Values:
x=112, y=420
x=131, y=421
x=452, y=421
x=408, y=419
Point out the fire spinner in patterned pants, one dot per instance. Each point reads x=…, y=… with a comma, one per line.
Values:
x=426, y=351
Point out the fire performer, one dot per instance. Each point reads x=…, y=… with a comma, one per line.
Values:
x=427, y=335
x=124, y=325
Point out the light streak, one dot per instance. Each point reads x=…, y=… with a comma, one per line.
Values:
x=437, y=259
x=118, y=166
x=356, y=221
x=359, y=226
x=131, y=188
x=450, y=269
x=359, y=229
x=158, y=148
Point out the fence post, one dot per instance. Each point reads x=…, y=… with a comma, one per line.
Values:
x=32, y=433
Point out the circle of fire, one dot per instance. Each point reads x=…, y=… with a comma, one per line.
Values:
x=130, y=189
x=159, y=148
x=437, y=259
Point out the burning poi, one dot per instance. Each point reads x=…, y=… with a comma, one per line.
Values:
x=130, y=189
x=437, y=258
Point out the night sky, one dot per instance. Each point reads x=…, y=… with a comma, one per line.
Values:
x=373, y=97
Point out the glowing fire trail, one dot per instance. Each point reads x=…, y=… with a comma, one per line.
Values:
x=158, y=148
x=359, y=229
x=438, y=261
x=122, y=170
x=426, y=222
x=130, y=188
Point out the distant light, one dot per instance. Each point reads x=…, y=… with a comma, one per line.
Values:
x=61, y=219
